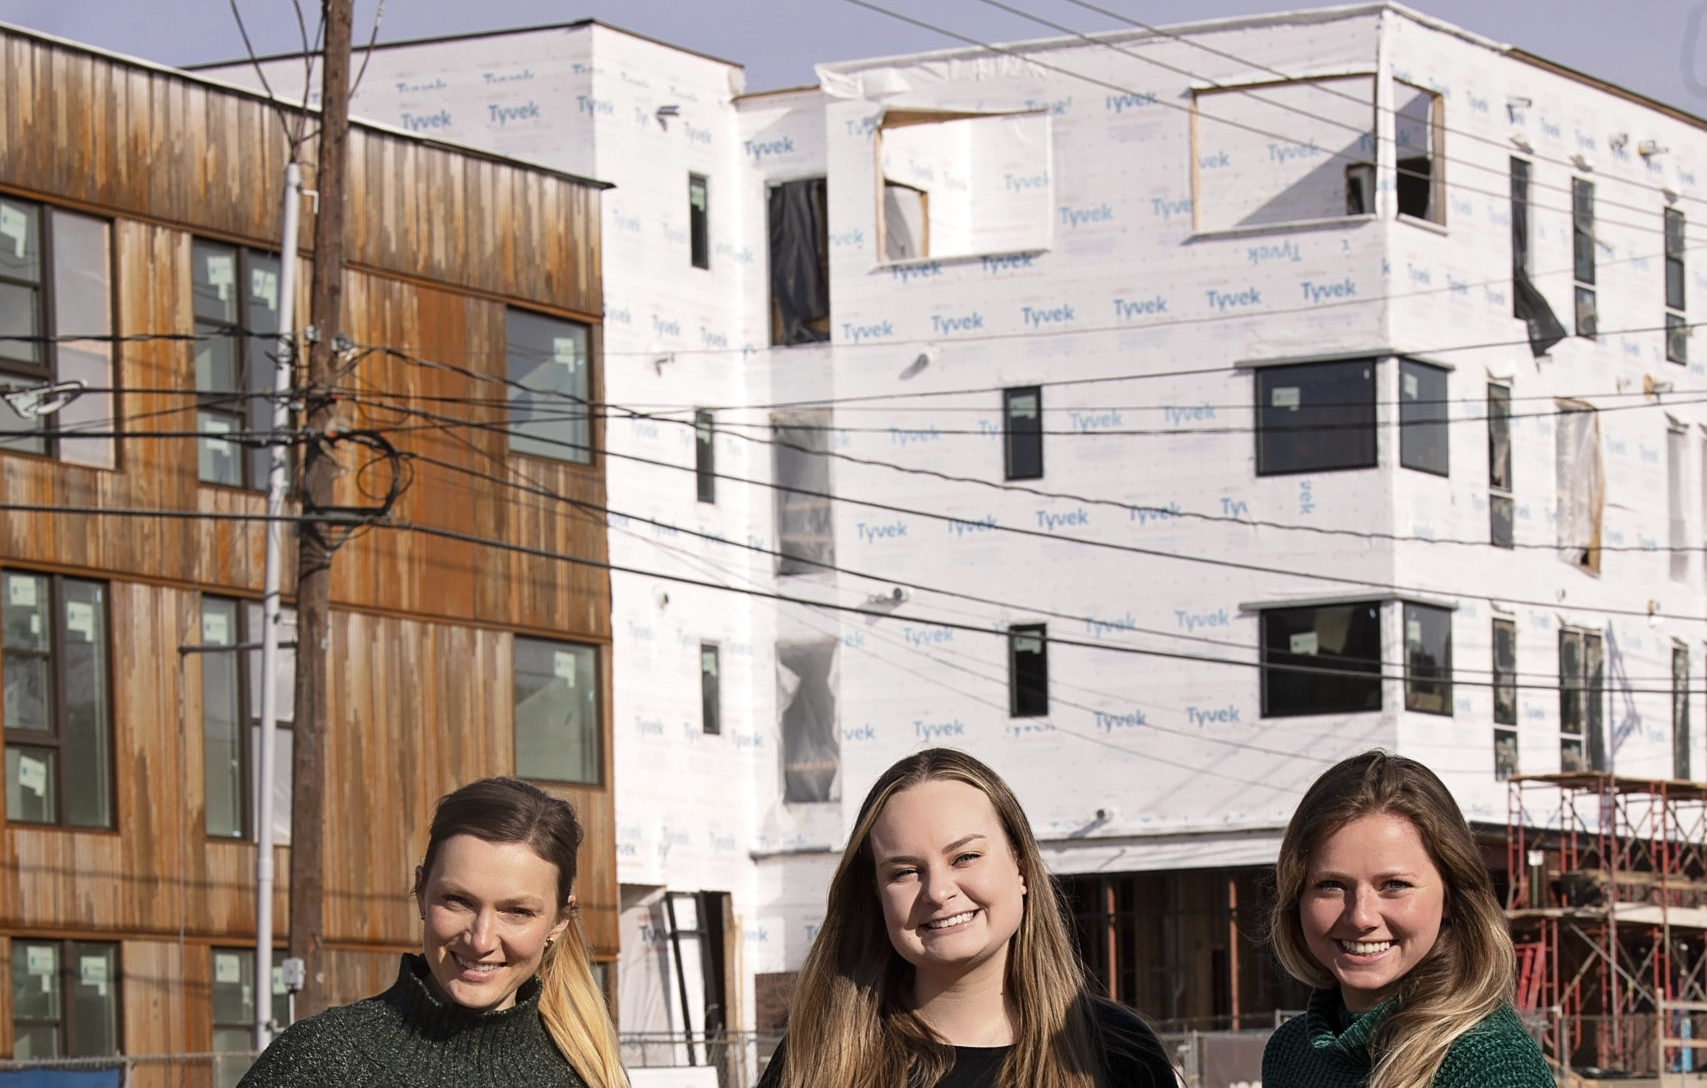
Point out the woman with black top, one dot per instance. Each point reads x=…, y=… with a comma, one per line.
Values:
x=944, y=959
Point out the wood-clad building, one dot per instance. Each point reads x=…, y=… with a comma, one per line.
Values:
x=139, y=227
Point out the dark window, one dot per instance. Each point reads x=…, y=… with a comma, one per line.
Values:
x=811, y=739
x=1582, y=256
x=1428, y=659
x=1028, y=670
x=234, y=1010
x=58, y=702
x=55, y=282
x=711, y=702
x=1582, y=701
x=550, y=386
x=1418, y=131
x=1321, y=660
x=1677, y=320
x=1505, y=699
x=805, y=522
x=1519, y=225
x=1423, y=441
x=65, y=999
x=1502, y=510
x=231, y=717
x=557, y=711
x=236, y=298
x=1681, y=744
x=1022, y=433
x=1527, y=301
x=704, y=455
x=1315, y=417
x=699, y=230
x=800, y=262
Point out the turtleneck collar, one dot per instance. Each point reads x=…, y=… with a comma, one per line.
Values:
x=414, y=998
x=1340, y=1035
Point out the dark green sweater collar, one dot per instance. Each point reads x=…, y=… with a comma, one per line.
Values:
x=418, y=1005
x=1341, y=1036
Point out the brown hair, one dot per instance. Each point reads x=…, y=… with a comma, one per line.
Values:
x=852, y=998
x=508, y=810
x=1468, y=972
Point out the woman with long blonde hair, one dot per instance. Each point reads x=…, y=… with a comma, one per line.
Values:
x=944, y=960
x=503, y=991
x=1385, y=908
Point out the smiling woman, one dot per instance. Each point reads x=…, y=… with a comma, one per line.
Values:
x=944, y=959
x=1385, y=906
x=502, y=992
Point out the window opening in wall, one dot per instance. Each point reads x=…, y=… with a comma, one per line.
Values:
x=1022, y=432
x=1423, y=431
x=806, y=685
x=799, y=215
x=1322, y=166
x=1677, y=320
x=1419, y=130
x=55, y=281
x=805, y=521
x=236, y=300
x=1582, y=256
x=705, y=454
x=699, y=229
x=548, y=364
x=1505, y=699
x=1677, y=454
x=234, y=992
x=1582, y=701
x=231, y=717
x=1323, y=659
x=1028, y=670
x=1502, y=508
x=58, y=701
x=1428, y=659
x=557, y=718
x=65, y=999
x=963, y=184
x=1581, y=491
x=1527, y=301
x=1681, y=742
x=710, y=697
x=1315, y=417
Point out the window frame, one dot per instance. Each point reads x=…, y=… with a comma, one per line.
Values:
x=69, y=952
x=595, y=738
x=56, y=739
x=699, y=221
x=1682, y=742
x=1268, y=448
x=247, y=408
x=1676, y=276
x=1017, y=458
x=280, y=1007
x=806, y=282
x=1417, y=698
x=1588, y=737
x=1425, y=422
x=805, y=516
x=1347, y=669
x=1435, y=178
x=244, y=651
x=1502, y=506
x=1028, y=696
x=1521, y=175
x=1583, y=272
x=1504, y=693
x=705, y=454
x=710, y=690
x=544, y=439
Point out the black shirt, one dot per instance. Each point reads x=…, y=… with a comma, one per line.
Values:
x=1132, y=1056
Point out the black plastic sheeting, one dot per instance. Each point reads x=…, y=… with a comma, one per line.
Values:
x=800, y=283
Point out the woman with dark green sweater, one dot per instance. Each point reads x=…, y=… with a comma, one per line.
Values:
x=502, y=993
x=1386, y=909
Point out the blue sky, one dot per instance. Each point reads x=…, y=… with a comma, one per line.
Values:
x=1642, y=44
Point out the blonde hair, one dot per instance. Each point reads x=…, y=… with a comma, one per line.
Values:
x=571, y=1005
x=852, y=998
x=1469, y=971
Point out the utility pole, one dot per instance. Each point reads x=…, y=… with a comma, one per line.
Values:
x=314, y=548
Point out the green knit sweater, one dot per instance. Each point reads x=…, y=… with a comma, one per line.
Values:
x=1314, y=1051
x=407, y=1036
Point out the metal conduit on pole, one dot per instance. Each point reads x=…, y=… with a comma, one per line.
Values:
x=283, y=380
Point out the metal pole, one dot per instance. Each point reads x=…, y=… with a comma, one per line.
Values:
x=283, y=379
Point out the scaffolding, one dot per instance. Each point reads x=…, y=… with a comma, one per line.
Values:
x=1607, y=904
